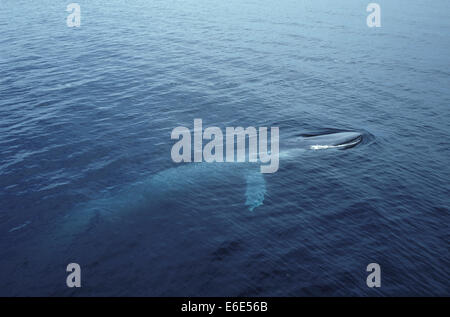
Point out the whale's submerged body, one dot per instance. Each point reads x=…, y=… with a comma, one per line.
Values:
x=198, y=178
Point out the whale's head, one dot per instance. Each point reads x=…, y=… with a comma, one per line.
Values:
x=340, y=140
x=337, y=140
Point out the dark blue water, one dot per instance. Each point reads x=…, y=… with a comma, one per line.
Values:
x=86, y=174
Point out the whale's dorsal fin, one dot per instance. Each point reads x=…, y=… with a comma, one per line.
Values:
x=256, y=189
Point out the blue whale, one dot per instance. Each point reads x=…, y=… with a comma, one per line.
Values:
x=197, y=178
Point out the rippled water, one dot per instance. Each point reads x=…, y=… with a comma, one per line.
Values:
x=85, y=121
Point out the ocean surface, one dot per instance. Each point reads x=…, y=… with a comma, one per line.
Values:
x=86, y=175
